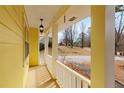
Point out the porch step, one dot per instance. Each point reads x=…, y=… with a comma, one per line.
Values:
x=40, y=77
x=45, y=81
x=49, y=84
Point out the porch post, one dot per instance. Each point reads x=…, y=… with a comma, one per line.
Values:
x=33, y=46
x=46, y=47
x=54, y=45
x=102, y=45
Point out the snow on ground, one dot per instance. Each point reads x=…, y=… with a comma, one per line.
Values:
x=76, y=59
x=80, y=59
x=119, y=58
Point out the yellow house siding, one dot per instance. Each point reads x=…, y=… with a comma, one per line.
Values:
x=11, y=46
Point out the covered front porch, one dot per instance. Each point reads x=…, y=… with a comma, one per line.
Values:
x=51, y=72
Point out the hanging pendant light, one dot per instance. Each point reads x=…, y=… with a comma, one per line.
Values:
x=41, y=26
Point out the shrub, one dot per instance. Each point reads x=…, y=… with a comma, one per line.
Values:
x=42, y=46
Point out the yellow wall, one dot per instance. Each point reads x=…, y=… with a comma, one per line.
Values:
x=33, y=46
x=12, y=69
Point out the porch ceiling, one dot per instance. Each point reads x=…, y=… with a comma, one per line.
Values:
x=79, y=12
x=36, y=12
x=55, y=14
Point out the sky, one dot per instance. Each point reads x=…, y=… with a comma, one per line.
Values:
x=117, y=19
x=86, y=22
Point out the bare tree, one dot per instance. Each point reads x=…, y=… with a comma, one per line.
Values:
x=82, y=27
x=65, y=40
x=89, y=37
x=119, y=26
x=72, y=35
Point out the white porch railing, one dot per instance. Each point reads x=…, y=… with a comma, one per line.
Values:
x=49, y=63
x=66, y=77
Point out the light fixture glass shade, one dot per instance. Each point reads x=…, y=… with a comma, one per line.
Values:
x=41, y=28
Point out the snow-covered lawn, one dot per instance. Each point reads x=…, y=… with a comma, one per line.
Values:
x=75, y=59
x=81, y=59
x=119, y=58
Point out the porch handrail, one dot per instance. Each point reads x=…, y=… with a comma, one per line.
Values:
x=67, y=77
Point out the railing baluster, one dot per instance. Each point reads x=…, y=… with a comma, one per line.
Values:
x=69, y=80
x=72, y=81
x=81, y=84
x=78, y=83
x=66, y=81
x=60, y=75
x=85, y=85
x=65, y=78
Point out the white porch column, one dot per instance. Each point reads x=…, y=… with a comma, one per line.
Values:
x=46, y=47
x=54, y=45
x=102, y=45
